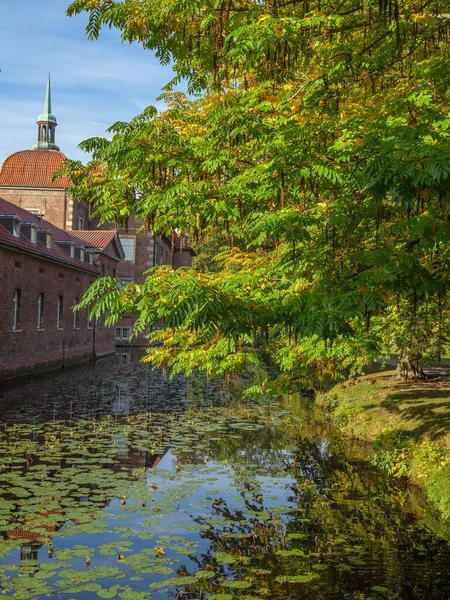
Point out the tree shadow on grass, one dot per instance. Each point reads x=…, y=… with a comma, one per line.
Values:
x=425, y=404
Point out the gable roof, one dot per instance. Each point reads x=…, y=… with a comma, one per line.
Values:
x=55, y=253
x=95, y=238
x=100, y=239
x=33, y=168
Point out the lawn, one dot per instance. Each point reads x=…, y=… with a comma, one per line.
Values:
x=408, y=424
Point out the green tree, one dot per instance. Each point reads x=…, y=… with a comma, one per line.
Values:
x=316, y=144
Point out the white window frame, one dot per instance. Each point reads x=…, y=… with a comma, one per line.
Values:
x=123, y=333
x=131, y=239
x=80, y=223
x=82, y=254
x=48, y=240
x=33, y=235
x=72, y=251
x=59, y=312
x=16, y=309
x=76, y=320
x=16, y=228
x=40, y=313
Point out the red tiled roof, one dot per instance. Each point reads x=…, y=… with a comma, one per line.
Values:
x=55, y=253
x=33, y=168
x=95, y=238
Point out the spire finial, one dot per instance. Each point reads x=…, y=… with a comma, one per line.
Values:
x=48, y=98
x=46, y=124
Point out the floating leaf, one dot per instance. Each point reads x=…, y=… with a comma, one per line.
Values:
x=107, y=593
x=237, y=584
x=224, y=558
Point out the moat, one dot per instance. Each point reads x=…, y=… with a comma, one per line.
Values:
x=115, y=483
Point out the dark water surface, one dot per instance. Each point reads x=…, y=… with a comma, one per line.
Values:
x=117, y=484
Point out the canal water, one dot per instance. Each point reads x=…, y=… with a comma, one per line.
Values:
x=115, y=483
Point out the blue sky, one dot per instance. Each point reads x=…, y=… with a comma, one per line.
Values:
x=94, y=84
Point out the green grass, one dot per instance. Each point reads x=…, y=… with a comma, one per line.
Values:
x=408, y=424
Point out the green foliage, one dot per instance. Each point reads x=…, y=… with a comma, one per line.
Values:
x=317, y=146
x=391, y=452
x=328, y=401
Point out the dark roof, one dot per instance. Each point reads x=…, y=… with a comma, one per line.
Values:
x=55, y=253
x=177, y=245
x=34, y=168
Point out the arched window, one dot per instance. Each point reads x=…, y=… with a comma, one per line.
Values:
x=44, y=133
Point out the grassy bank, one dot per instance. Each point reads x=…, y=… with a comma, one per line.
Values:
x=407, y=423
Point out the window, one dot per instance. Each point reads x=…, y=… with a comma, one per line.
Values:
x=48, y=240
x=33, y=235
x=123, y=333
x=16, y=228
x=16, y=309
x=80, y=223
x=76, y=315
x=128, y=245
x=72, y=250
x=124, y=358
x=59, y=315
x=122, y=282
x=90, y=321
x=81, y=254
x=91, y=259
x=40, y=315
x=114, y=273
x=157, y=254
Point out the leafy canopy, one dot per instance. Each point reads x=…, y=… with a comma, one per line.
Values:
x=315, y=142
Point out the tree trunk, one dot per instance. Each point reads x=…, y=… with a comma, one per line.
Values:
x=409, y=365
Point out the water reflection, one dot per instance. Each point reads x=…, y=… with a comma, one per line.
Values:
x=176, y=490
x=118, y=385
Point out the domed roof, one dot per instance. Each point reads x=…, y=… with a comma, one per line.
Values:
x=33, y=168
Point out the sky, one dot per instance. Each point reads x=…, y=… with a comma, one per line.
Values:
x=94, y=84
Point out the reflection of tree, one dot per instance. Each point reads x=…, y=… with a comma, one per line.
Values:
x=350, y=529
x=263, y=447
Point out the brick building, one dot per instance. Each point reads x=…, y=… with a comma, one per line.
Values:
x=144, y=250
x=44, y=272
x=26, y=180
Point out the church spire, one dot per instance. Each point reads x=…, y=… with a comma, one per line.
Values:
x=46, y=124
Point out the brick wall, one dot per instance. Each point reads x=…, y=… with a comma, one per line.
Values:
x=32, y=348
x=150, y=249
x=56, y=205
x=75, y=211
x=182, y=259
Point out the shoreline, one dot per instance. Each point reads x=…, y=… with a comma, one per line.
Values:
x=407, y=424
